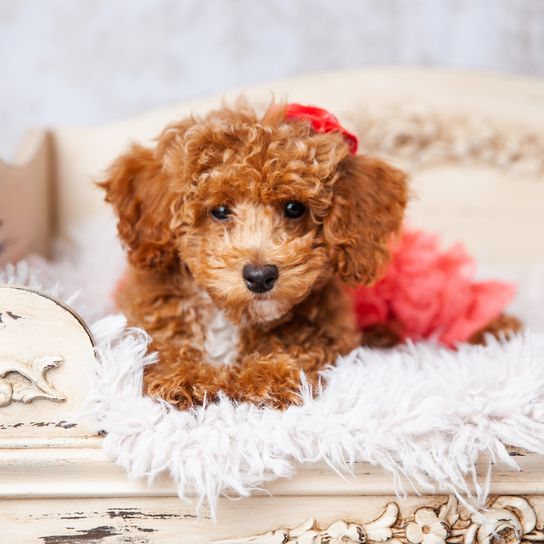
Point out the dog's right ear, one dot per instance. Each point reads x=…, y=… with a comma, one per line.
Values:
x=138, y=188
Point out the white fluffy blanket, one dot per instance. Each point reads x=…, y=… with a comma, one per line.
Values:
x=424, y=413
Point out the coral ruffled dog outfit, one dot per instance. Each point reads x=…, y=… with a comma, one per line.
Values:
x=431, y=293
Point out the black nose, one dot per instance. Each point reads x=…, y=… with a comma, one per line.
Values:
x=260, y=279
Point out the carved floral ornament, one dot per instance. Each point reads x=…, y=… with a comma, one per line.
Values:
x=422, y=137
x=508, y=520
x=22, y=381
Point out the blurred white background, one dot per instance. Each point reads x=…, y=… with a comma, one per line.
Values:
x=92, y=61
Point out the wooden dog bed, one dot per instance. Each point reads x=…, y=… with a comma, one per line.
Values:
x=474, y=146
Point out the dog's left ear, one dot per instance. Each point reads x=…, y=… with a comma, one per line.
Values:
x=369, y=199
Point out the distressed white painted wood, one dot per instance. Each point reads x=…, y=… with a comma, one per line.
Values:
x=305, y=520
x=26, y=192
x=83, y=471
x=507, y=518
x=46, y=359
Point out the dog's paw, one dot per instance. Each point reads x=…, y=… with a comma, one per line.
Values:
x=272, y=380
x=181, y=378
x=382, y=336
x=503, y=326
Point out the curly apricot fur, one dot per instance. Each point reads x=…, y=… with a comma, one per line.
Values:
x=184, y=264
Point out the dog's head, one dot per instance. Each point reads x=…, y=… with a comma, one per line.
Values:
x=260, y=210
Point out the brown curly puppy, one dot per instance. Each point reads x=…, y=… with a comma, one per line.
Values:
x=241, y=232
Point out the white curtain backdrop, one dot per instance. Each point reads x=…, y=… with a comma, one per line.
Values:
x=80, y=61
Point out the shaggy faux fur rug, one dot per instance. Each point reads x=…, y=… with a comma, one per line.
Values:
x=424, y=413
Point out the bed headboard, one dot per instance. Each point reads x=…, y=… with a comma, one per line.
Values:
x=473, y=144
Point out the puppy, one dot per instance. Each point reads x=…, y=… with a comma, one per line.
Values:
x=242, y=231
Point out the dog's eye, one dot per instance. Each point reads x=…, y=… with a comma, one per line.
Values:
x=221, y=213
x=294, y=209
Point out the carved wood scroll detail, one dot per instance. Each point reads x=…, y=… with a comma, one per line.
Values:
x=423, y=137
x=508, y=520
x=22, y=381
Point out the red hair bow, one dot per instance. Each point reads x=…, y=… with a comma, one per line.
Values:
x=321, y=121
